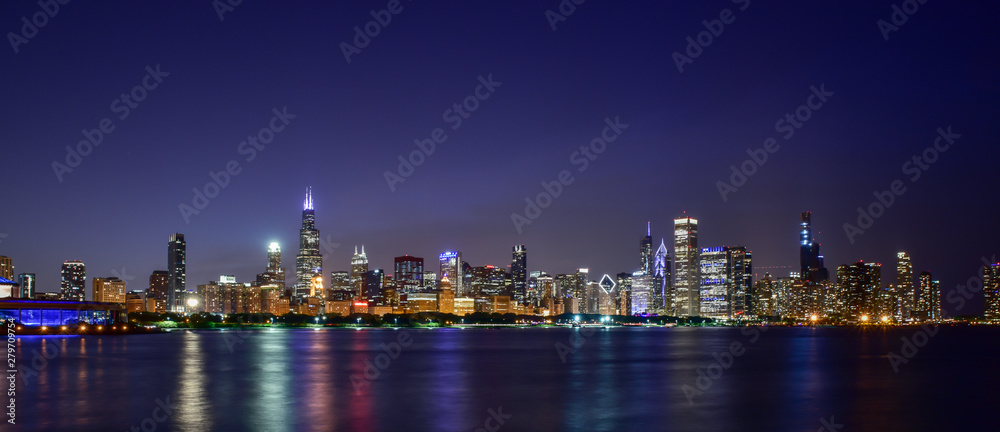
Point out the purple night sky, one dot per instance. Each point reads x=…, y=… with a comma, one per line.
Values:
x=117, y=207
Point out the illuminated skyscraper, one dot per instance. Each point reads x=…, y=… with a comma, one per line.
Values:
x=646, y=253
x=686, y=254
x=928, y=297
x=991, y=291
x=27, y=283
x=641, y=290
x=74, y=281
x=904, y=285
x=740, y=289
x=177, y=272
x=715, y=282
x=451, y=266
x=374, y=287
x=662, y=297
x=408, y=273
x=519, y=273
x=860, y=288
x=275, y=273
x=359, y=266
x=811, y=262
x=309, y=262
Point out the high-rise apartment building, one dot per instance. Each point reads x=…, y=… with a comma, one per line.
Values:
x=991, y=291
x=74, y=281
x=111, y=290
x=928, y=297
x=519, y=274
x=177, y=272
x=27, y=282
x=905, y=293
x=860, y=287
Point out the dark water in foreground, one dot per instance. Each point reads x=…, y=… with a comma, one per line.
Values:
x=619, y=379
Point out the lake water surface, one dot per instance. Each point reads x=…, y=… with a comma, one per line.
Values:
x=536, y=379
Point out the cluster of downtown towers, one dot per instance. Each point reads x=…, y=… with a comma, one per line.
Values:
x=711, y=282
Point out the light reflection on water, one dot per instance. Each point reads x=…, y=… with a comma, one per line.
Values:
x=447, y=380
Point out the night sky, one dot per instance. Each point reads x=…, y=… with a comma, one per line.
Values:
x=118, y=206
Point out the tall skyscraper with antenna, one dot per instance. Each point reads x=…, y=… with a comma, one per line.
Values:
x=359, y=267
x=309, y=262
x=646, y=253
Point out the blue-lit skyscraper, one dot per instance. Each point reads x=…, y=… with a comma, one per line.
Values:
x=662, y=278
x=810, y=261
x=451, y=266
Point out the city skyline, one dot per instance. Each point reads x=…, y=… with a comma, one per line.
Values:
x=717, y=292
x=344, y=125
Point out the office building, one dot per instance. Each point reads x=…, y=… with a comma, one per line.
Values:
x=359, y=267
x=662, y=281
x=687, y=286
x=408, y=273
x=451, y=266
x=810, y=261
x=309, y=261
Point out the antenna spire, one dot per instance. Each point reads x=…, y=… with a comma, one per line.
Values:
x=308, y=203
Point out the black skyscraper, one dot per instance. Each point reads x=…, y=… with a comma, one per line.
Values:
x=177, y=268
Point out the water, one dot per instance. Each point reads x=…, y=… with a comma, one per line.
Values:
x=621, y=379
